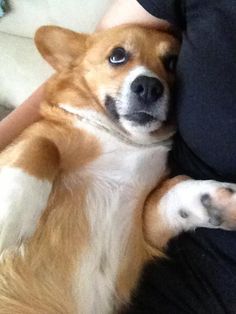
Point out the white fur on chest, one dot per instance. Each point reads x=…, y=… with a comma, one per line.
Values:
x=117, y=179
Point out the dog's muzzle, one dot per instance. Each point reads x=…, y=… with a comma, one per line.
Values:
x=146, y=100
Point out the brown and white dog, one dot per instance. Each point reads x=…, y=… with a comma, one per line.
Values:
x=80, y=207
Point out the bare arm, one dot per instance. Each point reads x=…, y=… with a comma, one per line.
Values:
x=21, y=118
x=120, y=12
x=129, y=11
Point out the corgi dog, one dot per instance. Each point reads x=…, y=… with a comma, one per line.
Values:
x=85, y=199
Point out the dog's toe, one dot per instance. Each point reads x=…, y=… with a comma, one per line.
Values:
x=214, y=212
x=221, y=207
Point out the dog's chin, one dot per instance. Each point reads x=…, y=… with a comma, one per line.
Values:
x=144, y=132
x=146, y=126
x=141, y=126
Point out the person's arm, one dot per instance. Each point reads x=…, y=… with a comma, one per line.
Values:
x=129, y=11
x=21, y=118
x=120, y=12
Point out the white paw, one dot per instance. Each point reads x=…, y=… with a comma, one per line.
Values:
x=22, y=200
x=191, y=204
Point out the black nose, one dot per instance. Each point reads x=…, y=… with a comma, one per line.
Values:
x=149, y=89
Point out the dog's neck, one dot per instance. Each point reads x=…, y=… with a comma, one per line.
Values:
x=101, y=122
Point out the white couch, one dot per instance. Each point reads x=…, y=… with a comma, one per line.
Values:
x=21, y=67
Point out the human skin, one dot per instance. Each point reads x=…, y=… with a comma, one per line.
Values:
x=124, y=11
x=26, y=114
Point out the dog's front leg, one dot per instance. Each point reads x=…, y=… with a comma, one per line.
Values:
x=27, y=171
x=182, y=204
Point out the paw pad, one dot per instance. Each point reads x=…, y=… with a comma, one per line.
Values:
x=183, y=213
x=230, y=190
x=214, y=212
x=206, y=200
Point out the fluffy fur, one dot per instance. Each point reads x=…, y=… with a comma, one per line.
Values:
x=105, y=216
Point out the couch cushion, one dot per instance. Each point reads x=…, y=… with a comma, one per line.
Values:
x=22, y=69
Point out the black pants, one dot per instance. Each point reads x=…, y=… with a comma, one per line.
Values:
x=198, y=277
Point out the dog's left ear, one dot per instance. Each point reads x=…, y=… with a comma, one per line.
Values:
x=59, y=46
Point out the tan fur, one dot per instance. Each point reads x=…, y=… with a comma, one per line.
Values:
x=39, y=149
x=72, y=84
x=156, y=231
x=37, y=278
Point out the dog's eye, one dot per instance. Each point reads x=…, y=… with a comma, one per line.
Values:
x=118, y=56
x=170, y=63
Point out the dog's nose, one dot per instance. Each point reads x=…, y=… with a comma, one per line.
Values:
x=148, y=89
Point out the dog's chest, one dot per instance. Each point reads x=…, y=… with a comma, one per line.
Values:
x=119, y=181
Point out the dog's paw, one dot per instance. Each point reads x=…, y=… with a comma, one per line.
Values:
x=22, y=199
x=221, y=206
x=191, y=204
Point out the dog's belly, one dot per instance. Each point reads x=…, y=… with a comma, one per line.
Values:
x=120, y=182
x=95, y=280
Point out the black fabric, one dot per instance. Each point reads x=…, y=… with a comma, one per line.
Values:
x=206, y=81
x=200, y=274
x=171, y=10
x=199, y=277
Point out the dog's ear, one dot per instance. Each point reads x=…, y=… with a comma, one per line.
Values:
x=59, y=46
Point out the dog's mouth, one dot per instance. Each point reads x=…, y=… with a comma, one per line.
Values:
x=138, y=122
x=140, y=117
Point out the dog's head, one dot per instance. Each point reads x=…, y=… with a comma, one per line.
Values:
x=125, y=73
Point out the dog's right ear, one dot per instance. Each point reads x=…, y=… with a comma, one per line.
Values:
x=59, y=46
